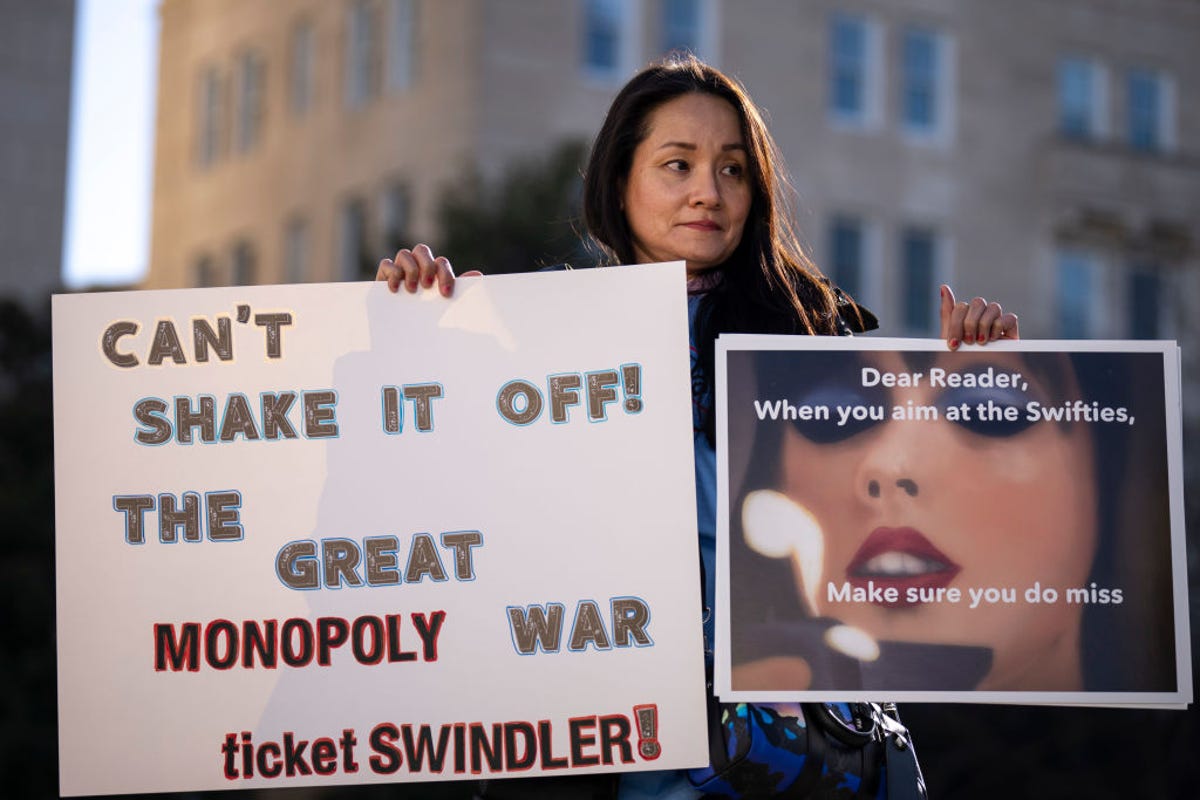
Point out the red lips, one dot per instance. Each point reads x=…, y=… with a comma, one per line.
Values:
x=702, y=225
x=902, y=558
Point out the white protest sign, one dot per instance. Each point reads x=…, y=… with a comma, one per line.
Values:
x=324, y=534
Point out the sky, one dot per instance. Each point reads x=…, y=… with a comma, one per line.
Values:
x=111, y=152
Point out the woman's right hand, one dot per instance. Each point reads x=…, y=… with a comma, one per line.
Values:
x=418, y=268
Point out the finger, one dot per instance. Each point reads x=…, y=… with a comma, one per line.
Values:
x=388, y=271
x=427, y=265
x=970, y=325
x=1006, y=327
x=946, y=308
x=954, y=326
x=776, y=673
x=409, y=270
x=445, y=276
x=984, y=330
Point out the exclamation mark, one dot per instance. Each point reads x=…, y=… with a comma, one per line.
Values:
x=632, y=373
x=647, y=725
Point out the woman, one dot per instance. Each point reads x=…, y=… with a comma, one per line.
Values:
x=684, y=169
x=880, y=502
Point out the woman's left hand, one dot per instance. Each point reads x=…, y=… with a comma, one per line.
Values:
x=976, y=322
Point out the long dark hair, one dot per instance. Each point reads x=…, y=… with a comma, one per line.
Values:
x=768, y=284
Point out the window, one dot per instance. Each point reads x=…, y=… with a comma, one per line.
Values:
x=402, y=38
x=362, y=56
x=210, y=118
x=853, y=67
x=1151, y=109
x=1145, y=296
x=847, y=254
x=244, y=265
x=848, y=66
x=300, y=69
x=295, y=251
x=352, y=240
x=680, y=25
x=204, y=272
x=251, y=76
x=920, y=79
x=919, y=271
x=602, y=35
x=1082, y=99
x=1075, y=294
x=609, y=33
x=395, y=208
x=925, y=83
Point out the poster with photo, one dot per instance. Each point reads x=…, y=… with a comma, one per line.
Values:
x=326, y=534
x=995, y=524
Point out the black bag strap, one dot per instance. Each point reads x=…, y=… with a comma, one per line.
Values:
x=859, y=741
x=904, y=777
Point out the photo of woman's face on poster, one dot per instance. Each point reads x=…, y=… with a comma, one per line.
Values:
x=991, y=519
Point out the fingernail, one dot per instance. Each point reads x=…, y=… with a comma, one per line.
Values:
x=982, y=338
x=954, y=344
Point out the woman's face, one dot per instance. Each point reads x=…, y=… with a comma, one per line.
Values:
x=945, y=504
x=688, y=190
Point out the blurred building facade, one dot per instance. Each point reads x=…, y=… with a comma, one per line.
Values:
x=295, y=139
x=1044, y=153
x=36, y=44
